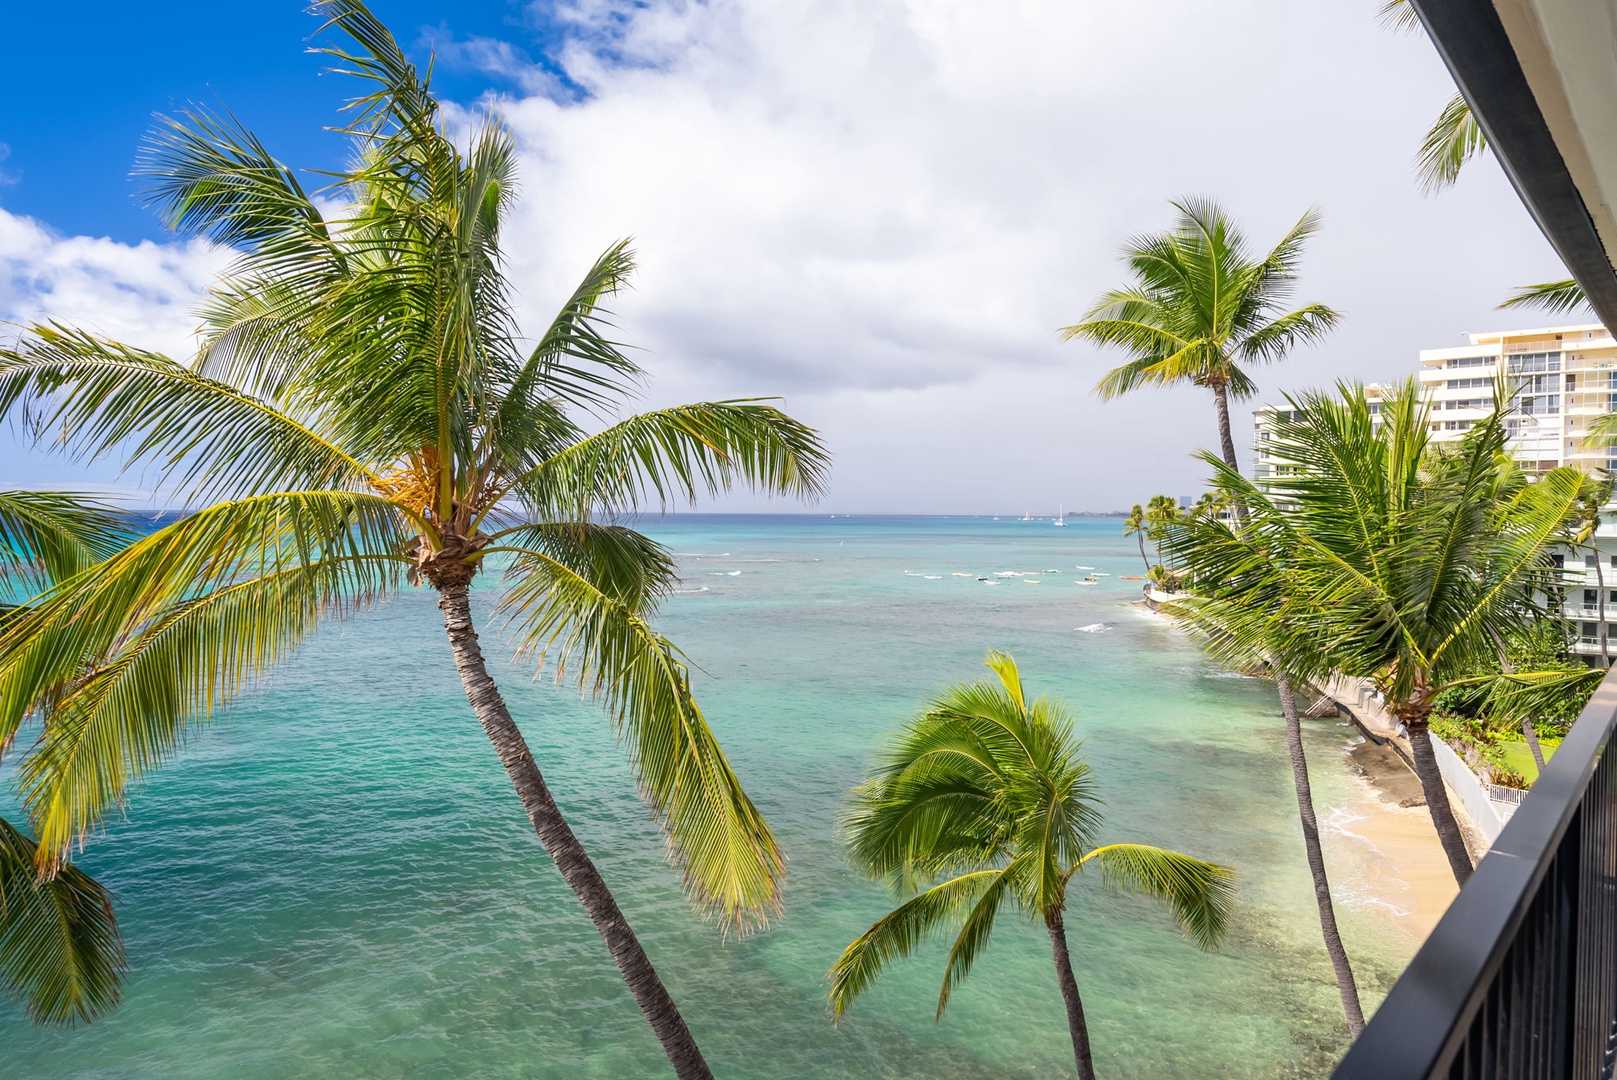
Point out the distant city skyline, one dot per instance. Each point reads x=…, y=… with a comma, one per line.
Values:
x=882, y=212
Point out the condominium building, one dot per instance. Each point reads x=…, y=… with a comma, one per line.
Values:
x=1560, y=378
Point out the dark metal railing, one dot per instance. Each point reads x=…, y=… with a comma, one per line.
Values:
x=1519, y=979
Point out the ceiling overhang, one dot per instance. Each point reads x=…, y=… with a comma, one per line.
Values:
x=1541, y=78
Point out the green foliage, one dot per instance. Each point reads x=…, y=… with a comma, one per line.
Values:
x=983, y=801
x=363, y=412
x=60, y=951
x=1201, y=305
x=1552, y=296
x=1377, y=554
x=59, y=946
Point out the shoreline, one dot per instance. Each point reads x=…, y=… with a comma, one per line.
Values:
x=1397, y=866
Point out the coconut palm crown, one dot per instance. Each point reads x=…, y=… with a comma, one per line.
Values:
x=1201, y=309
x=364, y=412
x=983, y=801
x=1382, y=555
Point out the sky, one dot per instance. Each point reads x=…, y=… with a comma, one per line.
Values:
x=882, y=211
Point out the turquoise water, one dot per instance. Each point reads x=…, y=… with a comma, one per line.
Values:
x=335, y=878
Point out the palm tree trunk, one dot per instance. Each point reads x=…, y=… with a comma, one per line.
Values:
x=1141, y=538
x=563, y=847
x=1345, y=985
x=1532, y=742
x=1069, y=994
x=1437, y=800
x=1221, y=397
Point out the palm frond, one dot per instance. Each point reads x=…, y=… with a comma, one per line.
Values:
x=1552, y=296
x=48, y=536
x=732, y=864
x=122, y=659
x=91, y=397
x=1455, y=138
x=60, y=951
x=674, y=455
x=1201, y=895
x=898, y=933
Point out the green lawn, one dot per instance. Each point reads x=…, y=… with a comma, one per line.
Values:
x=1519, y=758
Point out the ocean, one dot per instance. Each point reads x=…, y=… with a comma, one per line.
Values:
x=335, y=878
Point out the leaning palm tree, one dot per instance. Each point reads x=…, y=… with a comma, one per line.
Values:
x=1407, y=559
x=1236, y=612
x=363, y=412
x=1200, y=307
x=60, y=951
x=986, y=791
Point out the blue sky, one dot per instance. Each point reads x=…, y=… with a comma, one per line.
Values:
x=76, y=110
x=881, y=210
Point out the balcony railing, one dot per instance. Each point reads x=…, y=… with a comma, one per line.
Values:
x=1519, y=979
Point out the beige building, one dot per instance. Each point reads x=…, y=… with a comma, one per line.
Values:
x=1560, y=378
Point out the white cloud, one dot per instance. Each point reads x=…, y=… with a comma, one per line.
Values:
x=884, y=209
x=141, y=293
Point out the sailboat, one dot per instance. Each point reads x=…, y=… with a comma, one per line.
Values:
x=1061, y=518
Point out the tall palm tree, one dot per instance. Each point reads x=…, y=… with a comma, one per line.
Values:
x=1405, y=560
x=1237, y=611
x=363, y=411
x=986, y=790
x=60, y=950
x=1161, y=513
x=1135, y=525
x=1200, y=306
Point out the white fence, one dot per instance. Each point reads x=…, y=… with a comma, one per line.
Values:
x=1488, y=816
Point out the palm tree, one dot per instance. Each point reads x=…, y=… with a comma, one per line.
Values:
x=1241, y=584
x=363, y=412
x=60, y=950
x=986, y=791
x=1161, y=513
x=1405, y=561
x=1200, y=307
x=1135, y=525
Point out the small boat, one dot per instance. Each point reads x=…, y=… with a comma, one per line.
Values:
x=1061, y=518
x=1131, y=577
x=1092, y=579
x=1028, y=516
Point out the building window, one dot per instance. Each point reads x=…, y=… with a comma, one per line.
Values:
x=1590, y=598
x=1469, y=361
x=1589, y=563
x=1528, y=363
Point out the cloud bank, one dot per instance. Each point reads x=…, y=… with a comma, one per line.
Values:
x=884, y=210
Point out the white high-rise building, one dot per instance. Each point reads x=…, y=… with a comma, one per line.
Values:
x=1561, y=378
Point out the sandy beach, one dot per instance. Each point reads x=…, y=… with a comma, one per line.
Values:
x=1393, y=862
